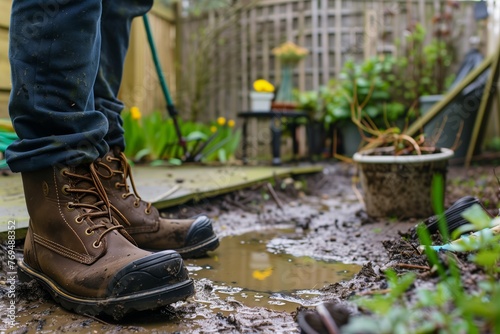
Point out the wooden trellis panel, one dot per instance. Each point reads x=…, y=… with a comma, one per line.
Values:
x=332, y=30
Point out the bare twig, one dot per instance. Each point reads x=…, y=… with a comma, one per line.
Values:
x=274, y=195
x=167, y=193
x=435, y=137
x=457, y=142
x=412, y=266
x=356, y=191
x=97, y=319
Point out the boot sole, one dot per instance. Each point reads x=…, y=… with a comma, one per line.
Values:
x=200, y=249
x=200, y=239
x=115, y=307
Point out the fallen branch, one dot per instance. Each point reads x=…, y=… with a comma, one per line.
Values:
x=274, y=195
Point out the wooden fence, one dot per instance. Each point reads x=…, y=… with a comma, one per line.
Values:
x=210, y=62
x=140, y=85
x=5, y=6
x=217, y=81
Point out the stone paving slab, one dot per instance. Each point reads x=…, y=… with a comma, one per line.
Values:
x=164, y=186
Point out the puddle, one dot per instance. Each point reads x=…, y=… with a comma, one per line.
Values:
x=246, y=270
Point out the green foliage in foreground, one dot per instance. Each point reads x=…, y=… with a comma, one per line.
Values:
x=7, y=137
x=153, y=138
x=448, y=307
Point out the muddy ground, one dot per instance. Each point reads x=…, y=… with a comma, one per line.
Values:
x=329, y=223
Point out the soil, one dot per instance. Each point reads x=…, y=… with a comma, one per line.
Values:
x=331, y=225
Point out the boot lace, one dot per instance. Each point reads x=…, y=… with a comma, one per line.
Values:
x=101, y=208
x=125, y=172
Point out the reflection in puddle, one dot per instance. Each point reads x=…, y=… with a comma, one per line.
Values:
x=245, y=270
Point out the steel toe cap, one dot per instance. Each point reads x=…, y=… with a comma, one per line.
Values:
x=151, y=272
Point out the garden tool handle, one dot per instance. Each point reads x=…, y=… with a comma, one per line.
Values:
x=170, y=104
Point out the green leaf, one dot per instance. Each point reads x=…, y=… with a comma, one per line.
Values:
x=437, y=195
x=142, y=153
x=222, y=155
x=487, y=258
x=426, y=242
x=175, y=161
x=372, y=111
x=196, y=135
x=477, y=216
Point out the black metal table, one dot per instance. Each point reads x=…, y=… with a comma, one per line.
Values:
x=278, y=120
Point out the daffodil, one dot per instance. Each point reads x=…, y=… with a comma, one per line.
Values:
x=263, y=86
x=230, y=123
x=221, y=121
x=213, y=129
x=135, y=113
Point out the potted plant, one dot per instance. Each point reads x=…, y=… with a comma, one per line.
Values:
x=314, y=103
x=367, y=82
x=262, y=95
x=400, y=185
x=423, y=73
x=396, y=170
x=289, y=55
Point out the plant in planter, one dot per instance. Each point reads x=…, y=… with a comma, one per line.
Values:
x=367, y=83
x=423, y=68
x=397, y=171
x=289, y=55
x=315, y=104
x=262, y=95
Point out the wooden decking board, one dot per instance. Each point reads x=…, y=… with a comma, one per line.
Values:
x=180, y=184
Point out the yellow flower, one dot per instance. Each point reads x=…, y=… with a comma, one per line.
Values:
x=290, y=52
x=262, y=86
x=230, y=123
x=262, y=274
x=213, y=129
x=135, y=113
x=221, y=121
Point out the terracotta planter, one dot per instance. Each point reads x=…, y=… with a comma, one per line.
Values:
x=400, y=185
x=283, y=106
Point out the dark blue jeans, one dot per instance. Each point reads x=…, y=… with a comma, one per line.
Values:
x=67, y=61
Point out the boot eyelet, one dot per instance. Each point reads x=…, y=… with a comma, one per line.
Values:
x=70, y=206
x=124, y=196
x=96, y=245
x=89, y=232
x=136, y=204
x=108, y=159
x=64, y=189
x=117, y=185
x=64, y=171
x=78, y=220
x=147, y=211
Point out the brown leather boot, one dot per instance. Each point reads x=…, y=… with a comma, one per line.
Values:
x=83, y=257
x=189, y=237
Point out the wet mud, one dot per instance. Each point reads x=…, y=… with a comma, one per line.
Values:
x=307, y=243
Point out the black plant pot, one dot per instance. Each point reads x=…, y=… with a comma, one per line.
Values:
x=316, y=138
